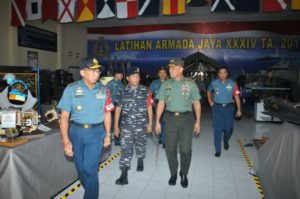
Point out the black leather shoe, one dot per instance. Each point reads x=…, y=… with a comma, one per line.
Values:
x=217, y=154
x=226, y=146
x=123, y=178
x=140, y=165
x=184, y=180
x=172, y=180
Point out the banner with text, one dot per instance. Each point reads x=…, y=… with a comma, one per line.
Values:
x=249, y=47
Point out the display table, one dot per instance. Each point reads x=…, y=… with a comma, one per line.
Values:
x=37, y=169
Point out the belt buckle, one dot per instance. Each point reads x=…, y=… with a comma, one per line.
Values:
x=86, y=126
x=176, y=113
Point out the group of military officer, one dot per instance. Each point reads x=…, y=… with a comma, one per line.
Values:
x=86, y=120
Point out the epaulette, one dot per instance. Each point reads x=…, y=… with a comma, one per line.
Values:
x=190, y=80
x=72, y=84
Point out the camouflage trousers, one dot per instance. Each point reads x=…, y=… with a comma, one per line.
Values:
x=132, y=136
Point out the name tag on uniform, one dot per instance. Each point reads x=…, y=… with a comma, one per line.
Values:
x=100, y=96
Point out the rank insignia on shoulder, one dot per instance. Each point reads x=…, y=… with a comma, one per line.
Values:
x=73, y=83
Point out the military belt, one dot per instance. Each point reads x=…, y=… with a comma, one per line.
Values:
x=178, y=113
x=223, y=105
x=86, y=126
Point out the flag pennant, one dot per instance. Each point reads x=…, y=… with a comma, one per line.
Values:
x=18, y=13
x=49, y=10
x=105, y=9
x=197, y=3
x=173, y=7
x=126, y=9
x=148, y=8
x=66, y=9
x=85, y=10
x=295, y=4
x=247, y=6
x=274, y=5
x=222, y=5
x=34, y=9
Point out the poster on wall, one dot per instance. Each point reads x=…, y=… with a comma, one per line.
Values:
x=249, y=47
x=32, y=59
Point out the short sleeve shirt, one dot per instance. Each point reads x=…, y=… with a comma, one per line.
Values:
x=223, y=92
x=155, y=86
x=115, y=86
x=86, y=106
x=179, y=95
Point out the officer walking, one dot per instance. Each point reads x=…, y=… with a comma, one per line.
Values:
x=115, y=86
x=154, y=87
x=135, y=102
x=220, y=95
x=179, y=95
x=85, y=124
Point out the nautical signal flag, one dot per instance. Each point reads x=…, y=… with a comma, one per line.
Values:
x=18, y=13
x=34, y=9
x=105, y=9
x=274, y=5
x=85, y=10
x=173, y=7
x=295, y=4
x=126, y=9
x=148, y=8
x=197, y=3
x=222, y=5
x=247, y=6
x=66, y=10
x=49, y=10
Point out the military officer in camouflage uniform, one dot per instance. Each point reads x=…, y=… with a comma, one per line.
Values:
x=179, y=95
x=134, y=104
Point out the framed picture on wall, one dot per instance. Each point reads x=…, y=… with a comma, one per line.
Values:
x=32, y=58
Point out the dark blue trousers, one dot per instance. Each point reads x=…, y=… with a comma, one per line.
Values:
x=163, y=129
x=87, y=148
x=223, y=123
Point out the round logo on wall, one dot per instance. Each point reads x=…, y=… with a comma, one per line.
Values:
x=101, y=48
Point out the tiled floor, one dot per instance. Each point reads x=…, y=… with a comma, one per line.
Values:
x=209, y=177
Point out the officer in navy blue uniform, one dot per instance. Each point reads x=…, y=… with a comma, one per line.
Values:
x=134, y=103
x=115, y=86
x=154, y=87
x=220, y=94
x=85, y=124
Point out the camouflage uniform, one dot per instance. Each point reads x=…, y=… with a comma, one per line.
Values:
x=133, y=103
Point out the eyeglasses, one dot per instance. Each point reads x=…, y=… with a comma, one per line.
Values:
x=98, y=72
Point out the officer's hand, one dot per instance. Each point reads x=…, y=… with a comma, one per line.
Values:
x=149, y=128
x=117, y=131
x=68, y=149
x=238, y=113
x=107, y=141
x=157, y=128
x=197, y=128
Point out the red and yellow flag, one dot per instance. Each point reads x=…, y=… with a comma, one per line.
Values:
x=295, y=4
x=174, y=7
x=85, y=10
